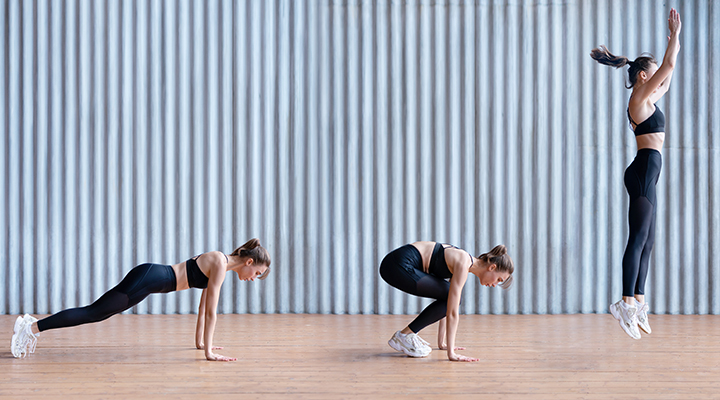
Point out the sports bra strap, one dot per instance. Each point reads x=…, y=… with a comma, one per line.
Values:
x=226, y=257
x=630, y=118
x=455, y=247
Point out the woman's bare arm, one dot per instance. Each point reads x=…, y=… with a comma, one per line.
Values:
x=215, y=281
x=200, y=328
x=660, y=78
x=453, y=315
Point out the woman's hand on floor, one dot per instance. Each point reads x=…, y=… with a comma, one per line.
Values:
x=458, y=357
x=444, y=347
x=218, y=357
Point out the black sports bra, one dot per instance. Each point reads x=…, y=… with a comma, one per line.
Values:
x=438, y=266
x=195, y=276
x=655, y=123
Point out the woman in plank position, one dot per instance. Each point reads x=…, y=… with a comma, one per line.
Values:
x=207, y=271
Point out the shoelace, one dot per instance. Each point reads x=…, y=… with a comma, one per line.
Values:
x=632, y=317
x=642, y=312
x=423, y=341
x=32, y=339
x=631, y=313
x=416, y=341
x=27, y=341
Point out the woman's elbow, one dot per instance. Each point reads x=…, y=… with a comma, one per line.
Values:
x=669, y=61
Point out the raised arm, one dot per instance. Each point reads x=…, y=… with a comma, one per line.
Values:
x=660, y=81
x=212, y=295
x=453, y=313
x=662, y=89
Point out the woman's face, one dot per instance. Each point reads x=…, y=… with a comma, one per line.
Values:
x=249, y=272
x=492, y=277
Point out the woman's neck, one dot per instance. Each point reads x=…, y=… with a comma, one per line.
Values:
x=234, y=262
x=476, y=266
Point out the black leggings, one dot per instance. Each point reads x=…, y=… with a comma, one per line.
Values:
x=138, y=284
x=640, y=180
x=402, y=269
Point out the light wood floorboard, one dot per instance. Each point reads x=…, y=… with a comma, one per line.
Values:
x=346, y=356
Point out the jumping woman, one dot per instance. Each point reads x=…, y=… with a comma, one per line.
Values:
x=422, y=269
x=649, y=84
x=207, y=271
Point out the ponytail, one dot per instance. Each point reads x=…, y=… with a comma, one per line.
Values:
x=249, y=245
x=498, y=256
x=602, y=55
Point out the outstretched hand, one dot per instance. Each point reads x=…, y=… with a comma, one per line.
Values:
x=444, y=347
x=674, y=23
x=218, y=357
x=458, y=357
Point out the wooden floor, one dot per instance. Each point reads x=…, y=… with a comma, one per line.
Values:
x=342, y=356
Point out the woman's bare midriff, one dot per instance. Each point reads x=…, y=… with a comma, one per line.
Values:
x=181, y=282
x=651, y=141
x=426, y=251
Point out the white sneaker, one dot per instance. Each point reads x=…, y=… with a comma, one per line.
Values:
x=23, y=340
x=394, y=344
x=627, y=317
x=642, y=316
x=410, y=344
x=423, y=341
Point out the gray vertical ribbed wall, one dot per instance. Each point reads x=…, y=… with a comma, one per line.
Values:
x=336, y=131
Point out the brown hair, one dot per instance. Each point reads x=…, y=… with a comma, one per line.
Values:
x=498, y=256
x=602, y=55
x=254, y=250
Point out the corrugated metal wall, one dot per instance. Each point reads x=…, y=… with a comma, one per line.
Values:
x=335, y=131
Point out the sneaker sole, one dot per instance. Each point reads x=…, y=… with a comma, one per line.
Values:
x=13, y=349
x=619, y=319
x=648, y=331
x=415, y=355
x=16, y=331
x=394, y=345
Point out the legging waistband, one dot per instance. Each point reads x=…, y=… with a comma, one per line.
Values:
x=648, y=151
